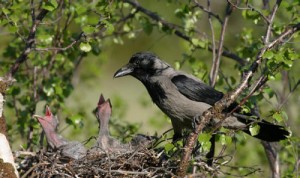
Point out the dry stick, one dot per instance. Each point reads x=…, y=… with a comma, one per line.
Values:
x=177, y=32
x=229, y=98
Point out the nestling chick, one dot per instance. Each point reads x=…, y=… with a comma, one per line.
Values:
x=49, y=123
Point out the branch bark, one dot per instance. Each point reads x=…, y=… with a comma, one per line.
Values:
x=273, y=157
x=270, y=21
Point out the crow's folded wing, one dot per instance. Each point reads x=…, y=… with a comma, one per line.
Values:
x=196, y=90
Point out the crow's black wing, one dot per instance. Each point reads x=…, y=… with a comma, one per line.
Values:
x=196, y=91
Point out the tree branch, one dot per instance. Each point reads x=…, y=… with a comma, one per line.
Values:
x=208, y=11
x=29, y=42
x=177, y=32
x=62, y=48
x=216, y=110
x=270, y=21
x=216, y=61
x=273, y=157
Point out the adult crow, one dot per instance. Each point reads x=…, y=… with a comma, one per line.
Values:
x=182, y=97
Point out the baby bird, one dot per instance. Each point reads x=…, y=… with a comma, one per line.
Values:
x=104, y=140
x=49, y=123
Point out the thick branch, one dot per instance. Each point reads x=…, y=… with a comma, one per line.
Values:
x=29, y=43
x=229, y=98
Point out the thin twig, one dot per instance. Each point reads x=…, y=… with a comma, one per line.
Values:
x=282, y=103
x=63, y=48
x=256, y=86
x=216, y=62
x=271, y=19
x=211, y=82
x=208, y=11
x=249, y=7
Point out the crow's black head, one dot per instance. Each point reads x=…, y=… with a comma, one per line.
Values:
x=142, y=65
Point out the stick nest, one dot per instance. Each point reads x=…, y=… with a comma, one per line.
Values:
x=142, y=162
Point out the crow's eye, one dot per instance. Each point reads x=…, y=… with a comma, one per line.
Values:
x=137, y=62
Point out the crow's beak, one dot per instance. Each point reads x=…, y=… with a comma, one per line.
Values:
x=126, y=70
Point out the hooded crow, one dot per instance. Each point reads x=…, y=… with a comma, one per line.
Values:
x=182, y=97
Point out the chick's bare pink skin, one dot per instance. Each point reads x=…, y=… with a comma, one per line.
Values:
x=103, y=114
x=49, y=123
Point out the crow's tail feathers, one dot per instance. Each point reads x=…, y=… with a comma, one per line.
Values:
x=270, y=132
x=267, y=131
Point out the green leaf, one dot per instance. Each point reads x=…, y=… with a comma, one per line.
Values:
x=204, y=140
x=45, y=38
x=254, y=129
x=268, y=55
x=75, y=120
x=177, y=65
x=109, y=27
x=5, y=11
x=225, y=140
x=269, y=91
x=204, y=137
x=284, y=115
x=85, y=47
x=205, y=146
x=280, y=116
x=168, y=147
x=198, y=43
x=48, y=90
x=13, y=29
x=88, y=29
x=50, y=5
x=147, y=26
